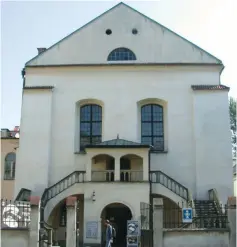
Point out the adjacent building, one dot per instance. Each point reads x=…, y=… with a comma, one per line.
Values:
x=9, y=144
x=119, y=112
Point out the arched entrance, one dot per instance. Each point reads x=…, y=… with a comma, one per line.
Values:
x=117, y=214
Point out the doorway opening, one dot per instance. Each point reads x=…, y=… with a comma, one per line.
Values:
x=118, y=214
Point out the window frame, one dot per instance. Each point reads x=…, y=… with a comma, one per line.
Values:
x=9, y=174
x=115, y=54
x=151, y=122
x=91, y=121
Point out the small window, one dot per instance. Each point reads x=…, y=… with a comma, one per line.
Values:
x=90, y=125
x=10, y=162
x=152, y=129
x=121, y=54
x=134, y=31
x=108, y=31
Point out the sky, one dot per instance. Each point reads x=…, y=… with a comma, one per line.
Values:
x=26, y=25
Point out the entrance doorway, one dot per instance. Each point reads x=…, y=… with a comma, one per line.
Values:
x=117, y=214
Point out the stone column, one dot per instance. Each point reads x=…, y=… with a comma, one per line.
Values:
x=117, y=168
x=71, y=221
x=158, y=222
x=34, y=221
x=232, y=220
x=88, y=167
x=145, y=167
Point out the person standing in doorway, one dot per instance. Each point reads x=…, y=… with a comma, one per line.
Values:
x=109, y=234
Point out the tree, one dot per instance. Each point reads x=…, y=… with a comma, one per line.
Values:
x=232, y=110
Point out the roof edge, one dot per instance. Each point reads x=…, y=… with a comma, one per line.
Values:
x=123, y=64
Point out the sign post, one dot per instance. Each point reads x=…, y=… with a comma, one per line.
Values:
x=187, y=215
x=133, y=233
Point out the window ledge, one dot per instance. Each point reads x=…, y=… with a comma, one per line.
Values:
x=9, y=179
x=80, y=152
x=159, y=152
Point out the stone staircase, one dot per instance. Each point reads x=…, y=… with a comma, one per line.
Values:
x=209, y=214
x=205, y=208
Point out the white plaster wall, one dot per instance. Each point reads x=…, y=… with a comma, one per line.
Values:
x=34, y=152
x=130, y=194
x=152, y=44
x=115, y=193
x=113, y=86
x=212, y=136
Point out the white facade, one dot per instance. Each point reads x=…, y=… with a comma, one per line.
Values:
x=197, y=139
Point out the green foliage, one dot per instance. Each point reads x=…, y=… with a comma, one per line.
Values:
x=232, y=110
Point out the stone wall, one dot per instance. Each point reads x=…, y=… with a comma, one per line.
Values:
x=177, y=237
x=195, y=238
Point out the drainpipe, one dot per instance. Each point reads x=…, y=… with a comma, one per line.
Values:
x=150, y=195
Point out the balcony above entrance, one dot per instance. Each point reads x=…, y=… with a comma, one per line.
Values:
x=117, y=160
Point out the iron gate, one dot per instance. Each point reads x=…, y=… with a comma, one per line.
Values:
x=146, y=224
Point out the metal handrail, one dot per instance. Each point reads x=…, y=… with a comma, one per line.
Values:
x=53, y=191
x=191, y=202
x=169, y=181
x=213, y=195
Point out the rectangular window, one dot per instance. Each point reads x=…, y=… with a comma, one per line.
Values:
x=152, y=129
x=90, y=125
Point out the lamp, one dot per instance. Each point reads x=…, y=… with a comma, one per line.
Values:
x=93, y=196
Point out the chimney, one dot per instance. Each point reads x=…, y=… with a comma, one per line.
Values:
x=41, y=49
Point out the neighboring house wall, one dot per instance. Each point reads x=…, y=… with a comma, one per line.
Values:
x=8, y=145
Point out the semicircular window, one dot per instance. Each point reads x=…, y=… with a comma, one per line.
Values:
x=121, y=54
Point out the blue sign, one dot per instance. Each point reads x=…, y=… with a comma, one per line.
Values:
x=187, y=215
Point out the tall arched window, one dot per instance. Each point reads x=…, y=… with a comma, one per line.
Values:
x=121, y=54
x=152, y=126
x=90, y=125
x=10, y=163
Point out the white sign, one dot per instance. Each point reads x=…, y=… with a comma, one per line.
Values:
x=91, y=229
x=187, y=215
x=133, y=228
